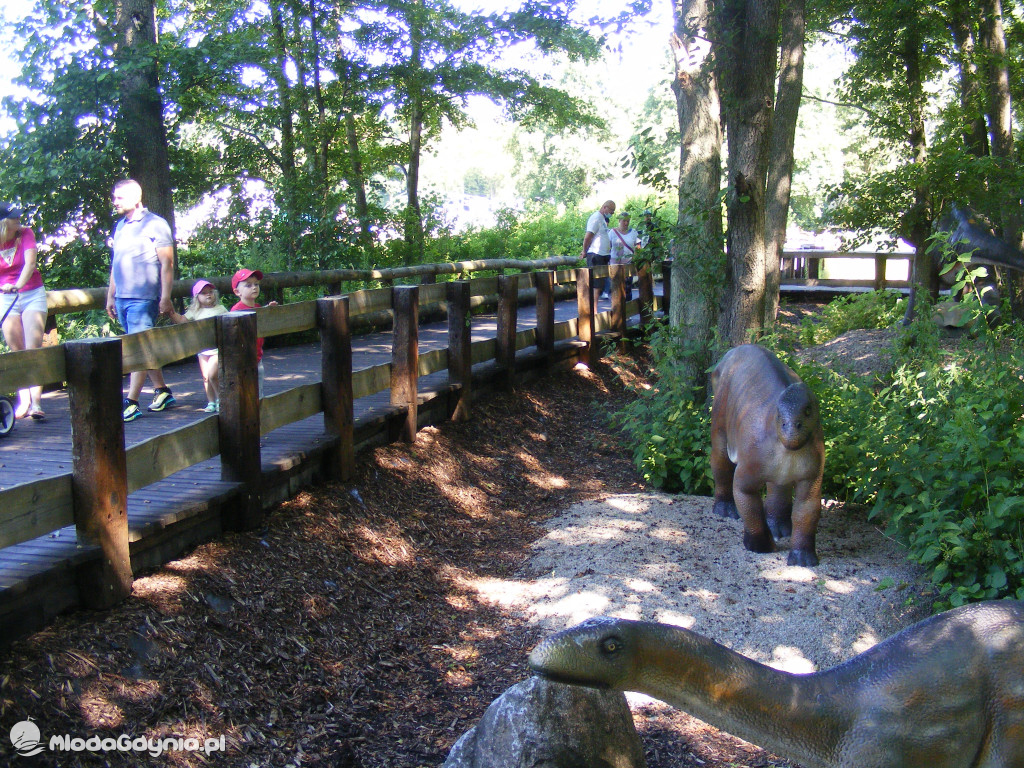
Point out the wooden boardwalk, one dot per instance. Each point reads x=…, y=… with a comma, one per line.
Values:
x=39, y=449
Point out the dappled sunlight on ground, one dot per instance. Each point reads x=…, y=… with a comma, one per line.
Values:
x=656, y=557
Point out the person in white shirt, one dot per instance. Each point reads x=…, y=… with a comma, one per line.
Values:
x=596, y=244
x=624, y=242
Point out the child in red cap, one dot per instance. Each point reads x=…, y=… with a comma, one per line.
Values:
x=246, y=285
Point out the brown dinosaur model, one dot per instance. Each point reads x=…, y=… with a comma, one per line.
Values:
x=765, y=432
x=947, y=692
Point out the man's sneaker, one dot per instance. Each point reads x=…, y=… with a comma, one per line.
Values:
x=162, y=400
x=131, y=410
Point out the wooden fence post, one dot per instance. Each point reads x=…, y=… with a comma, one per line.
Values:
x=336, y=383
x=405, y=356
x=645, y=291
x=239, y=421
x=617, y=273
x=546, y=313
x=508, y=313
x=666, y=285
x=99, y=475
x=880, y=262
x=460, y=350
x=585, y=312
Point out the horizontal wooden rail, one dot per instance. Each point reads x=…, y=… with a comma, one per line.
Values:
x=163, y=455
x=31, y=510
x=82, y=299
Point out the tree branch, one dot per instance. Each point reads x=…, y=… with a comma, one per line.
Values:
x=874, y=115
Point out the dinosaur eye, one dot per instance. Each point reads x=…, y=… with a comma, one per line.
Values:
x=611, y=645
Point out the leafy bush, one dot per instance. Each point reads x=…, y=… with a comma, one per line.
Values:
x=940, y=458
x=516, y=236
x=669, y=431
x=875, y=309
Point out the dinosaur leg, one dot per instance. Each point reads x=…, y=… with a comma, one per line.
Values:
x=722, y=470
x=806, y=513
x=747, y=493
x=779, y=510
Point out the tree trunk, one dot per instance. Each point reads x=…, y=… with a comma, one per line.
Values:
x=780, y=165
x=698, y=262
x=413, y=216
x=359, y=185
x=747, y=57
x=141, y=116
x=917, y=221
x=1000, y=114
x=289, y=175
x=975, y=133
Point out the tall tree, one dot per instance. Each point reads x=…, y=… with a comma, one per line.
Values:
x=748, y=40
x=141, y=108
x=439, y=56
x=699, y=260
x=780, y=166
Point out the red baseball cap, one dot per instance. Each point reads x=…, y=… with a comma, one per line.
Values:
x=244, y=274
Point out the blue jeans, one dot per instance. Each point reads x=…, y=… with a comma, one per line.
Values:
x=137, y=314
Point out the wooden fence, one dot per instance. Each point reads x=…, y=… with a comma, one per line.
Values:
x=801, y=270
x=93, y=495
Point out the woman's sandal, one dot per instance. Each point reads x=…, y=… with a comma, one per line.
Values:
x=35, y=412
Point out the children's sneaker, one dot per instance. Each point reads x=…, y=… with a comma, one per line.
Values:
x=211, y=407
x=162, y=400
x=131, y=410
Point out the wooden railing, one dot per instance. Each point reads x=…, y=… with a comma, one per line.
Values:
x=83, y=299
x=93, y=495
x=803, y=267
x=798, y=268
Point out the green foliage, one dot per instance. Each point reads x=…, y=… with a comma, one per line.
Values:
x=939, y=456
x=875, y=309
x=669, y=431
x=934, y=451
x=516, y=236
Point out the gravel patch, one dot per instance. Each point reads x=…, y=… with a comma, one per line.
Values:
x=657, y=557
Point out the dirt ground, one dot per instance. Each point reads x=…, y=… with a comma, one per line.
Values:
x=349, y=633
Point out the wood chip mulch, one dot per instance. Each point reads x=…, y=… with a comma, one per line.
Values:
x=345, y=633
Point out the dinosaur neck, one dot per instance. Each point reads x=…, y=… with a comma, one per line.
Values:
x=795, y=716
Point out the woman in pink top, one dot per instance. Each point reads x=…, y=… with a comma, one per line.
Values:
x=21, y=285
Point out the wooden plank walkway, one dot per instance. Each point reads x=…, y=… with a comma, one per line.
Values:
x=39, y=449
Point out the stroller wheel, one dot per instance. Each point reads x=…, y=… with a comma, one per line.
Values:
x=6, y=415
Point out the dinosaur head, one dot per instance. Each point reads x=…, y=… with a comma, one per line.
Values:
x=797, y=416
x=599, y=653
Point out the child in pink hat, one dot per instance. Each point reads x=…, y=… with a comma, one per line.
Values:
x=205, y=303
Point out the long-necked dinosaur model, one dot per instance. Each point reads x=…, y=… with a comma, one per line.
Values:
x=947, y=692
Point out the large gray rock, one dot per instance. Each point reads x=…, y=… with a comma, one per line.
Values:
x=541, y=724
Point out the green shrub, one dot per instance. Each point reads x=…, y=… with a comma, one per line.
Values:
x=944, y=462
x=875, y=309
x=669, y=431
